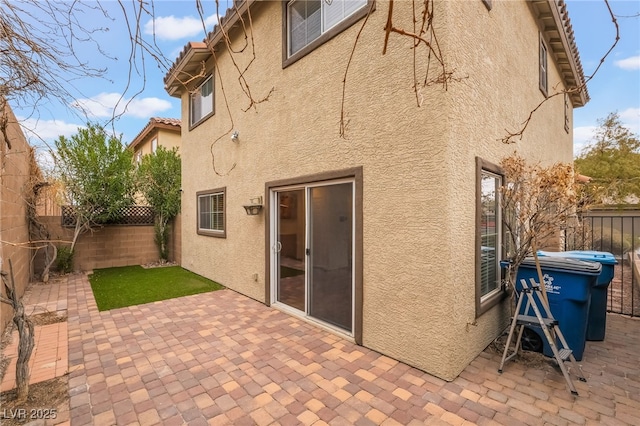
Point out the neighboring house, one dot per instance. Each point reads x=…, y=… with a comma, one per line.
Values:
x=390, y=236
x=163, y=132
x=15, y=176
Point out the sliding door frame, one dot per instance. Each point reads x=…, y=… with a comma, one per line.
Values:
x=353, y=174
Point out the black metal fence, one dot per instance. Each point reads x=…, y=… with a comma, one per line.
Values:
x=616, y=232
x=132, y=215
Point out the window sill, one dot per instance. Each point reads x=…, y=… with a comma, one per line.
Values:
x=215, y=234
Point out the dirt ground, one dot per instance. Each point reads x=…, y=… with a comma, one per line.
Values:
x=48, y=400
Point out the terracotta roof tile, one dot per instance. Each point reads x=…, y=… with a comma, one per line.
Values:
x=153, y=123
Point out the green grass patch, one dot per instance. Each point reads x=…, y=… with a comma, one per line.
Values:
x=133, y=285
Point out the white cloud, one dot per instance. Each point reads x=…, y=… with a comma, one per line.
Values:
x=631, y=63
x=582, y=137
x=109, y=104
x=46, y=130
x=631, y=119
x=172, y=28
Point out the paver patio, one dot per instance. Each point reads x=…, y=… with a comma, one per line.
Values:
x=222, y=358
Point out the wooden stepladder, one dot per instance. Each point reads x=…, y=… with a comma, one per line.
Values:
x=549, y=327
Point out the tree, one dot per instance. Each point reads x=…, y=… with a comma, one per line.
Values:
x=25, y=332
x=612, y=161
x=97, y=172
x=159, y=180
x=537, y=202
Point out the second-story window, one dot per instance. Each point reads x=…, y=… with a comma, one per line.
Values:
x=202, y=101
x=543, y=67
x=154, y=145
x=566, y=112
x=309, y=19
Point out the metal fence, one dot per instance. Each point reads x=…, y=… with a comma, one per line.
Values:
x=132, y=215
x=618, y=233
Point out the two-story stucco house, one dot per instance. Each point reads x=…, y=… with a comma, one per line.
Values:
x=389, y=236
x=163, y=132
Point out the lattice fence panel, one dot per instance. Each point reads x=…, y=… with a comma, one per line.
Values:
x=132, y=215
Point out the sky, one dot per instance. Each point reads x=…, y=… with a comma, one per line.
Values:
x=614, y=88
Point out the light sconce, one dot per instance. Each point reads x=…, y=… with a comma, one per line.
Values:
x=235, y=135
x=255, y=207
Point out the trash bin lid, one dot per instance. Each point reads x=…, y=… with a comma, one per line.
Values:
x=603, y=257
x=563, y=264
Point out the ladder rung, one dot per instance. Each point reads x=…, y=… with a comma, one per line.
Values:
x=564, y=354
x=532, y=320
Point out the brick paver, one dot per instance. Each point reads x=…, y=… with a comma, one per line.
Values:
x=222, y=358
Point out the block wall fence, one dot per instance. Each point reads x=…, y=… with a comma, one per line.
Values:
x=111, y=246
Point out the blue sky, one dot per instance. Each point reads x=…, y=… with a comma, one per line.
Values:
x=616, y=86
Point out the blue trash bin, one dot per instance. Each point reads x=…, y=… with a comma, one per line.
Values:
x=568, y=284
x=597, y=322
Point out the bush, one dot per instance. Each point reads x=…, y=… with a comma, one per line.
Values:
x=64, y=260
x=613, y=242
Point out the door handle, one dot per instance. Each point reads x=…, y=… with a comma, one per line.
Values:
x=307, y=252
x=277, y=247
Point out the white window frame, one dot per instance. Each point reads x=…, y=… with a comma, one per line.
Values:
x=199, y=109
x=218, y=227
x=154, y=145
x=324, y=26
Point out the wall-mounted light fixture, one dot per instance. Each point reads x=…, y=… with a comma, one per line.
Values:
x=255, y=207
x=235, y=135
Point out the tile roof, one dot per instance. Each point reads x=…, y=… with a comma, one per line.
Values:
x=553, y=12
x=174, y=124
x=199, y=51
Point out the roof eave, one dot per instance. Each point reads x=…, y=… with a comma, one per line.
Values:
x=150, y=127
x=557, y=28
x=193, y=54
x=196, y=53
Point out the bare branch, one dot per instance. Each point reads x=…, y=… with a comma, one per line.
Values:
x=513, y=135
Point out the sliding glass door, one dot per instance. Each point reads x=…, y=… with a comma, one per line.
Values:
x=314, y=246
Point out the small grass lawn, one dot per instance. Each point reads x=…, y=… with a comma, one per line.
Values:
x=133, y=285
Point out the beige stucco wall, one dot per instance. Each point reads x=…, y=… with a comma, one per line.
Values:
x=418, y=163
x=166, y=138
x=14, y=226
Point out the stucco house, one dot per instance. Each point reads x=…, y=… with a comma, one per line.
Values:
x=163, y=132
x=389, y=235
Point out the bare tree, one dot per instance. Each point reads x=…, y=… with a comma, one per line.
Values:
x=537, y=203
x=25, y=332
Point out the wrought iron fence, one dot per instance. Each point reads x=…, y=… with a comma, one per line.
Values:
x=619, y=234
x=132, y=215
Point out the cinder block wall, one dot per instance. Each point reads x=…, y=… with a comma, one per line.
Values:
x=175, y=241
x=107, y=247
x=14, y=227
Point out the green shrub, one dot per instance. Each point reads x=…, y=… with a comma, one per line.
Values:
x=613, y=242
x=64, y=260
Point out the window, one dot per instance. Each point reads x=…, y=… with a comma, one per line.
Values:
x=154, y=145
x=311, y=23
x=566, y=112
x=211, y=213
x=202, y=102
x=543, y=67
x=489, y=290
